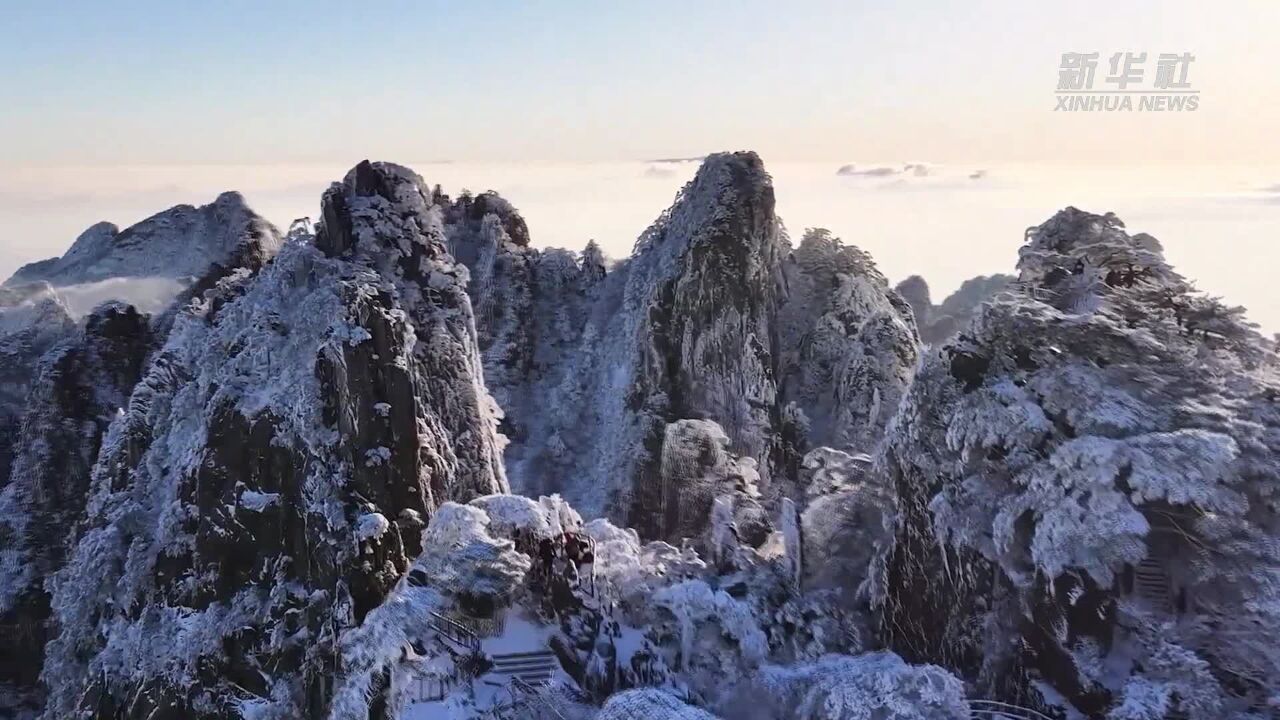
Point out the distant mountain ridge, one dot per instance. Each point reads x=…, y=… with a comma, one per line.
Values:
x=181, y=242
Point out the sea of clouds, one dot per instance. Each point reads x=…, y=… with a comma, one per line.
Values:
x=948, y=223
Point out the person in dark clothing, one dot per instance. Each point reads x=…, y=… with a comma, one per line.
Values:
x=546, y=554
x=571, y=547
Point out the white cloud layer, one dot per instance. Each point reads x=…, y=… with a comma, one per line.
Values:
x=945, y=222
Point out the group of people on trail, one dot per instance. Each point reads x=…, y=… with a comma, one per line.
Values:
x=562, y=563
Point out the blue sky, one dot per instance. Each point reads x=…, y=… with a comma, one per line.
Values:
x=113, y=111
x=241, y=82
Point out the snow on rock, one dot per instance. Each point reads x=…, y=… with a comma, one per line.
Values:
x=181, y=242
x=459, y=557
x=876, y=686
x=258, y=501
x=713, y=317
x=847, y=520
x=78, y=389
x=33, y=319
x=693, y=602
x=847, y=346
x=650, y=704
x=147, y=265
x=371, y=526
x=652, y=616
x=509, y=514
x=696, y=468
x=263, y=502
x=1088, y=472
x=267, y=383
x=465, y=557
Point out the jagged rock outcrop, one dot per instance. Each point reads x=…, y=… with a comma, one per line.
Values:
x=696, y=468
x=845, y=522
x=713, y=317
x=269, y=480
x=78, y=390
x=531, y=308
x=1086, y=482
x=847, y=344
x=937, y=323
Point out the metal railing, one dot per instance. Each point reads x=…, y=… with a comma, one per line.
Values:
x=995, y=710
x=455, y=631
x=432, y=689
x=483, y=627
x=522, y=697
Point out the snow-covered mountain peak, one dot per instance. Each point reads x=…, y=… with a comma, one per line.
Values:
x=181, y=242
x=94, y=240
x=729, y=190
x=713, y=318
x=383, y=214
x=471, y=210
x=277, y=500
x=1075, y=251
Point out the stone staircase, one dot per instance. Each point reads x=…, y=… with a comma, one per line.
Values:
x=1151, y=583
x=532, y=668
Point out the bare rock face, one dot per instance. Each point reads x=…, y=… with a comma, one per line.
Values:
x=1085, y=481
x=269, y=480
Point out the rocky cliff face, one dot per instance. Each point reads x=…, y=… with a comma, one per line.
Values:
x=713, y=317
x=151, y=262
x=269, y=480
x=531, y=308
x=847, y=345
x=71, y=370
x=79, y=388
x=1085, y=480
x=32, y=321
